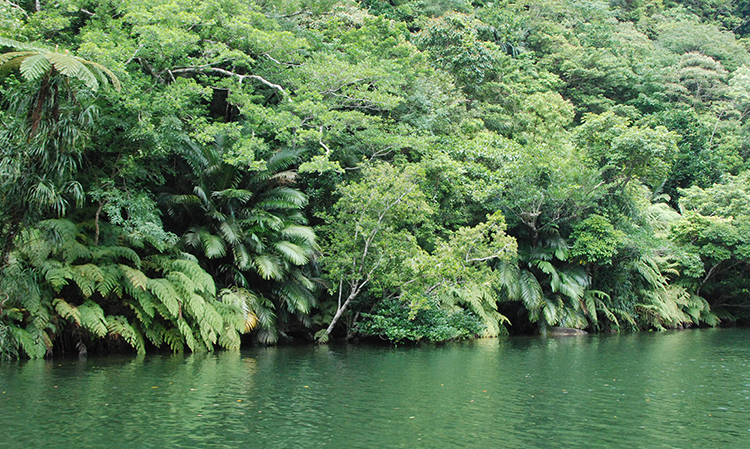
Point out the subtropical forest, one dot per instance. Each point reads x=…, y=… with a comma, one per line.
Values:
x=188, y=175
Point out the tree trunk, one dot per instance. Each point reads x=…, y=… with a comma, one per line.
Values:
x=339, y=312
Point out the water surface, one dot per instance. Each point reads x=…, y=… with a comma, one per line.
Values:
x=684, y=389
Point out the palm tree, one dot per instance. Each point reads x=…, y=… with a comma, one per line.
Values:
x=553, y=292
x=44, y=133
x=249, y=230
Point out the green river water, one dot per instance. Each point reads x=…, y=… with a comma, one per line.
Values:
x=685, y=389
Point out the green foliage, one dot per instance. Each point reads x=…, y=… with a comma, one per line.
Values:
x=404, y=134
x=108, y=293
x=393, y=320
x=247, y=227
x=626, y=152
x=595, y=240
x=36, y=63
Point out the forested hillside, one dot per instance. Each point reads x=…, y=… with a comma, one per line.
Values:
x=197, y=174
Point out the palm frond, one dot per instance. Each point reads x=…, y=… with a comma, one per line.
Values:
x=268, y=266
x=213, y=245
x=292, y=252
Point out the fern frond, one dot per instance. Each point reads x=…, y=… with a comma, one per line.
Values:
x=112, y=253
x=74, y=251
x=13, y=60
x=57, y=276
x=650, y=272
x=86, y=278
x=203, y=281
x=174, y=338
x=110, y=283
x=31, y=342
x=195, y=305
x=156, y=334
x=135, y=278
x=67, y=311
x=187, y=334
x=6, y=42
x=212, y=318
x=165, y=292
x=181, y=282
x=92, y=318
x=69, y=66
x=229, y=338
x=119, y=326
x=35, y=66
x=112, y=77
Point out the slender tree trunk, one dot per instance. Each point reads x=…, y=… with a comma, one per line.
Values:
x=96, y=223
x=340, y=311
x=356, y=287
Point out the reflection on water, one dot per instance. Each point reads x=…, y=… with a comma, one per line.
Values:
x=669, y=390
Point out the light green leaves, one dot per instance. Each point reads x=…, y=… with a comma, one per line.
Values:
x=35, y=63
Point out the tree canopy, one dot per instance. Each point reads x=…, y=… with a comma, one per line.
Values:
x=192, y=175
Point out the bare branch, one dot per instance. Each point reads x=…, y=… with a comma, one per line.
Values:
x=288, y=16
x=320, y=141
x=288, y=64
x=13, y=5
x=150, y=69
x=228, y=73
x=134, y=53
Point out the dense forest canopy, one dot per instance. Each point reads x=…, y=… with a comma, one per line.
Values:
x=192, y=174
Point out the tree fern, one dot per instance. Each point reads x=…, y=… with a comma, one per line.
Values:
x=162, y=301
x=35, y=62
